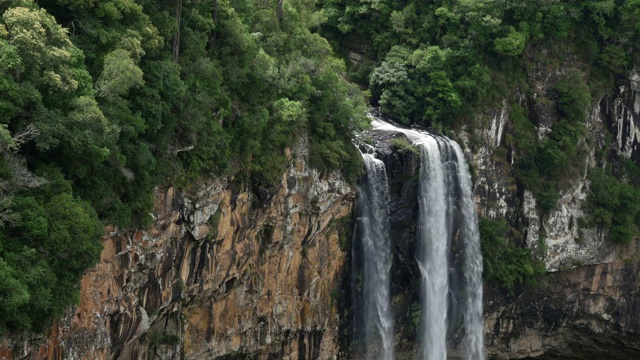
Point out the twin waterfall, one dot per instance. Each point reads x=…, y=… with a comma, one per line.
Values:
x=447, y=222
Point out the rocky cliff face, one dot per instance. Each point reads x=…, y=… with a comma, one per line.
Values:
x=587, y=307
x=223, y=274
x=589, y=312
x=622, y=111
x=218, y=275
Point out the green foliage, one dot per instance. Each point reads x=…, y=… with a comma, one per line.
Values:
x=157, y=338
x=403, y=146
x=523, y=136
x=485, y=44
x=543, y=168
x=511, y=45
x=344, y=228
x=574, y=97
x=135, y=93
x=120, y=74
x=505, y=264
x=44, y=252
x=613, y=204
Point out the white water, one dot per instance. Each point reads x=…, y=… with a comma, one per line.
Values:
x=445, y=187
x=374, y=219
x=473, y=321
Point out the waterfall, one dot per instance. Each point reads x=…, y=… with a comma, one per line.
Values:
x=435, y=229
x=474, y=323
x=447, y=214
x=374, y=225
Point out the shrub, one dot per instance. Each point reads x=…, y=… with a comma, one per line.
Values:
x=505, y=264
x=613, y=204
x=404, y=147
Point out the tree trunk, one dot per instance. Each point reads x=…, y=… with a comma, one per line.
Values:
x=279, y=11
x=212, y=36
x=176, y=37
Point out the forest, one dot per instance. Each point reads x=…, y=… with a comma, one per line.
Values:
x=103, y=101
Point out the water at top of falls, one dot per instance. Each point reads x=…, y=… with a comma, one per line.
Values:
x=447, y=209
x=374, y=222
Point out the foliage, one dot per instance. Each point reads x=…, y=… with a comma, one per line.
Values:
x=157, y=338
x=403, y=146
x=505, y=264
x=101, y=101
x=344, y=227
x=54, y=238
x=542, y=169
x=613, y=204
x=440, y=61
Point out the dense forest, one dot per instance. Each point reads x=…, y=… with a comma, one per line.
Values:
x=102, y=101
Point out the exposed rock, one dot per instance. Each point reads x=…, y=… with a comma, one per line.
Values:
x=567, y=241
x=403, y=171
x=494, y=186
x=622, y=113
x=590, y=312
x=215, y=276
x=225, y=273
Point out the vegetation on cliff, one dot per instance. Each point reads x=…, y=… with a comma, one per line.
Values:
x=441, y=63
x=437, y=62
x=101, y=101
x=506, y=265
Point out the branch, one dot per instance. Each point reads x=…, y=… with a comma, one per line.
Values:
x=25, y=135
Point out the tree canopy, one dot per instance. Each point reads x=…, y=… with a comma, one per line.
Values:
x=101, y=101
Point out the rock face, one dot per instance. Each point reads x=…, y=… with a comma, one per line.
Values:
x=402, y=166
x=590, y=312
x=222, y=273
x=566, y=242
x=587, y=308
x=623, y=117
x=218, y=275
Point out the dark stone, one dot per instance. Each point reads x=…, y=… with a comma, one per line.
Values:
x=591, y=312
x=620, y=108
x=291, y=182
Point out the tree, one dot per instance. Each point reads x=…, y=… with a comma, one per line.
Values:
x=511, y=45
x=119, y=75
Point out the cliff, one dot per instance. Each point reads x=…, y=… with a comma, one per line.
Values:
x=590, y=312
x=223, y=273
x=585, y=306
x=219, y=274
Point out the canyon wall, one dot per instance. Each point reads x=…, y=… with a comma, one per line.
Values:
x=587, y=306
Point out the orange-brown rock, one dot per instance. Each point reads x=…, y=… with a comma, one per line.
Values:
x=217, y=274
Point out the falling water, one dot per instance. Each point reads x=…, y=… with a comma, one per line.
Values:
x=473, y=320
x=435, y=197
x=374, y=222
x=447, y=210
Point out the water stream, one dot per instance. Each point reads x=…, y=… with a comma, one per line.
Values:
x=374, y=224
x=447, y=214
